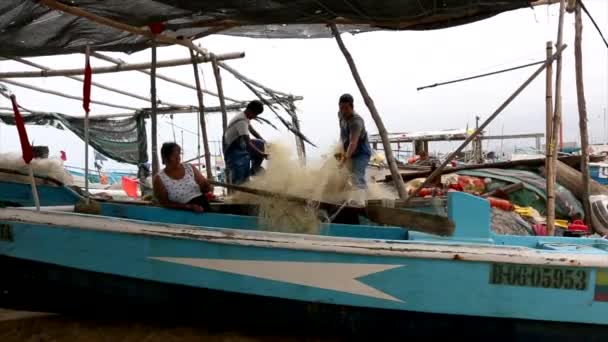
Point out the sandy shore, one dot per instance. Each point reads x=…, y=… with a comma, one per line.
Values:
x=32, y=326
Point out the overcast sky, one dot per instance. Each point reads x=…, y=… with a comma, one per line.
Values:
x=392, y=65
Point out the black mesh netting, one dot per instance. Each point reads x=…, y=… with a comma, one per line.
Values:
x=28, y=28
x=123, y=140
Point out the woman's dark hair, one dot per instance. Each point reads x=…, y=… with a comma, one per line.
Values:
x=166, y=150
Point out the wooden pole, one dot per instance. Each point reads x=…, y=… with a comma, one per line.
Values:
x=220, y=91
x=235, y=107
x=550, y=143
x=155, y=164
x=121, y=26
x=242, y=77
x=67, y=96
x=30, y=171
x=118, y=67
x=582, y=109
x=117, y=61
x=299, y=141
x=201, y=107
x=86, y=140
x=473, y=136
x=557, y=118
x=374, y=112
x=97, y=84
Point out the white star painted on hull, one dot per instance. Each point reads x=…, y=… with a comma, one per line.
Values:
x=340, y=277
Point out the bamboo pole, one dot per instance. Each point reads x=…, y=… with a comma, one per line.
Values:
x=374, y=112
x=220, y=92
x=479, y=76
x=121, y=26
x=159, y=76
x=97, y=84
x=118, y=67
x=473, y=136
x=550, y=143
x=162, y=110
x=67, y=96
x=86, y=140
x=155, y=165
x=242, y=77
x=118, y=61
x=299, y=141
x=557, y=118
x=582, y=109
x=201, y=107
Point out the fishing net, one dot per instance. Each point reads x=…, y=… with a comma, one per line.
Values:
x=47, y=167
x=123, y=140
x=322, y=181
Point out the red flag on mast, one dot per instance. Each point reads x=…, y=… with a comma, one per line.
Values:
x=86, y=89
x=26, y=148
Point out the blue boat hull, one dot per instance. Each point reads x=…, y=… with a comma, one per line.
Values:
x=549, y=279
x=45, y=287
x=20, y=194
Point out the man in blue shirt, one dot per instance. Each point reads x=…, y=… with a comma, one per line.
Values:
x=357, y=150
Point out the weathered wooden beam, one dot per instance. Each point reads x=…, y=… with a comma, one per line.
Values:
x=153, y=130
x=388, y=151
x=242, y=77
x=549, y=141
x=557, y=121
x=67, y=96
x=582, y=109
x=97, y=84
x=117, y=68
x=201, y=107
x=220, y=92
x=118, y=61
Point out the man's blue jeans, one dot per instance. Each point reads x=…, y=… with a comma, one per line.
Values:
x=358, y=168
x=239, y=165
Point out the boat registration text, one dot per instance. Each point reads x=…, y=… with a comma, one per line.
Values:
x=539, y=276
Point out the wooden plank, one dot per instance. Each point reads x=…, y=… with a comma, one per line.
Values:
x=427, y=223
x=413, y=220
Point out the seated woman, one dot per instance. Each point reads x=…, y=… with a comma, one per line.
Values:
x=180, y=186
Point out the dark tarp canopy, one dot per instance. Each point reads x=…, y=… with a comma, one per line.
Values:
x=28, y=28
x=123, y=140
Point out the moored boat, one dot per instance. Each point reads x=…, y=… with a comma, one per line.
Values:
x=474, y=272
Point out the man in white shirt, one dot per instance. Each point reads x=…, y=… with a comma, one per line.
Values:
x=238, y=147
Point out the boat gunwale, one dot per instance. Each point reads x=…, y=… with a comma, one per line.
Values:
x=437, y=250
